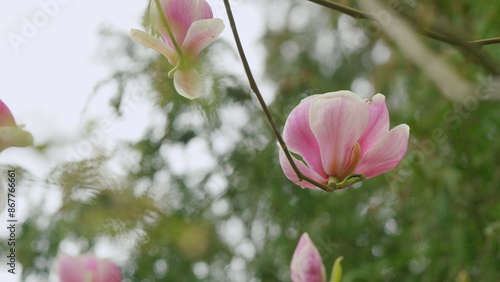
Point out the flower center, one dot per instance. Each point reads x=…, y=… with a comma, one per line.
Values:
x=355, y=156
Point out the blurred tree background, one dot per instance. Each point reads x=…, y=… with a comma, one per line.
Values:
x=202, y=196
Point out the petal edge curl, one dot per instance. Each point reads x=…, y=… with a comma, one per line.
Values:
x=386, y=153
x=154, y=43
x=201, y=34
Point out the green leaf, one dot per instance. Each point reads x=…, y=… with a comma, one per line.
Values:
x=337, y=270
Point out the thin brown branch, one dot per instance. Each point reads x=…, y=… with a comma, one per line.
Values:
x=450, y=38
x=355, y=13
x=256, y=91
x=488, y=41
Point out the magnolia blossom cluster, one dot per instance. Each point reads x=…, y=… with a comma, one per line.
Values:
x=11, y=135
x=307, y=265
x=185, y=28
x=338, y=135
x=87, y=268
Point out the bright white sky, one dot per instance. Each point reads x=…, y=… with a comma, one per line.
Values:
x=46, y=80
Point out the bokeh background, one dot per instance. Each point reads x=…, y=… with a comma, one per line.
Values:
x=179, y=190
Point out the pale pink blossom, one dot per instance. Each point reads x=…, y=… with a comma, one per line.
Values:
x=87, y=268
x=12, y=134
x=338, y=134
x=193, y=28
x=307, y=265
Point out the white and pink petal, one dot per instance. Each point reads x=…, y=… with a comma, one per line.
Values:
x=300, y=139
x=70, y=269
x=307, y=265
x=87, y=268
x=338, y=120
x=180, y=15
x=189, y=83
x=378, y=123
x=386, y=153
x=200, y=35
x=6, y=118
x=156, y=44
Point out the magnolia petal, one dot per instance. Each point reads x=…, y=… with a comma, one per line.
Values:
x=378, y=123
x=156, y=21
x=338, y=120
x=200, y=35
x=188, y=83
x=87, y=268
x=69, y=269
x=386, y=153
x=103, y=270
x=156, y=44
x=300, y=139
x=6, y=118
x=180, y=15
x=113, y=273
x=205, y=10
x=307, y=265
x=14, y=136
x=292, y=176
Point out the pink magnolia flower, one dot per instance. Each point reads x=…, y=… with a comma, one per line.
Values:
x=11, y=134
x=87, y=268
x=307, y=265
x=339, y=135
x=193, y=28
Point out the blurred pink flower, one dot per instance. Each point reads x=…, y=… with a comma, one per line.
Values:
x=338, y=134
x=307, y=265
x=87, y=268
x=11, y=134
x=193, y=28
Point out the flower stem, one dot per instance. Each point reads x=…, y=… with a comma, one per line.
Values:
x=169, y=30
x=256, y=91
